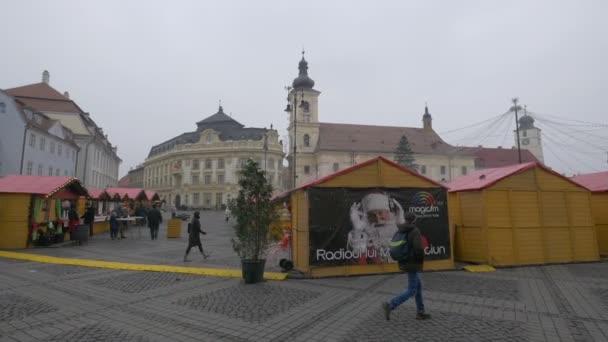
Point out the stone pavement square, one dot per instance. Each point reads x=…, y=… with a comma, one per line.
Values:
x=44, y=302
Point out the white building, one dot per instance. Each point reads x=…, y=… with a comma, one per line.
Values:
x=323, y=148
x=97, y=161
x=200, y=168
x=31, y=143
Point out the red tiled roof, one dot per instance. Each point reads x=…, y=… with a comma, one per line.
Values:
x=487, y=157
x=38, y=90
x=596, y=182
x=380, y=139
x=129, y=193
x=40, y=185
x=487, y=177
x=353, y=168
x=124, y=182
x=43, y=97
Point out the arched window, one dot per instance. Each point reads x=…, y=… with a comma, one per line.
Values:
x=306, y=140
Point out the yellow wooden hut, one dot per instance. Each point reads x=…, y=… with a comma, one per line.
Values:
x=342, y=223
x=31, y=205
x=521, y=214
x=597, y=183
x=100, y=200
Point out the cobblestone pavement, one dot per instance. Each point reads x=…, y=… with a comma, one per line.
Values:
x=45, y=302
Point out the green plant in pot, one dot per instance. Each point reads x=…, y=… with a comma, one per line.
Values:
x=253, y=212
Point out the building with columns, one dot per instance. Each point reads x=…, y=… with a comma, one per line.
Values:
x=199, y=169
x=321, y=148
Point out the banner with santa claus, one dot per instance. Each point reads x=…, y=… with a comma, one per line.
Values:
x=350, y=226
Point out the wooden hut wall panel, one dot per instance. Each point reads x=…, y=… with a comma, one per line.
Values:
x=521, y=181
x=391, y=176
x=365, y=176
x=299, y=202
x=583, y=244
x=473, y=247
x=579, y=206
x=14, y=228
x=456, y=223
x=472, y=213
x=524, y=209
x=529, y=246
x=473, y=244
x=554, y=209
x=550, y=182
x=500, y=245
x=497, y=207
x=557, y=244
x=599, y=207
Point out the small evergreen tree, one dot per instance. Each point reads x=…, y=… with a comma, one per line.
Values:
x=404, y=155
x=253, y=211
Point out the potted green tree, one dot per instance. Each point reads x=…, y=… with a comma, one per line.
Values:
x=253, y=213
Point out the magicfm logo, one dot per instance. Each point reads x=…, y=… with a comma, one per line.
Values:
x=424, y=205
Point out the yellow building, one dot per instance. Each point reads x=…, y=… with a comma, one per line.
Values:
x=334, y=233
x=521, y=214
x=597, y=183
x=200, y=169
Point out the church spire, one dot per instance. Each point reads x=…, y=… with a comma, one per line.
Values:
x=427, y=120
x=303, y=81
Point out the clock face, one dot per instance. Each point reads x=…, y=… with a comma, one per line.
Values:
x=525, y=141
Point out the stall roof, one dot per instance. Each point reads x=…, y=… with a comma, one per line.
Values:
x=487, y=177
x=40, y=185
x=151, y=194
x=351, y=169
x=130, y=193
x=97, y=193
x=595, y=182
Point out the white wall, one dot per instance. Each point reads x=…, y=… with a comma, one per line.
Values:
x=11, y=136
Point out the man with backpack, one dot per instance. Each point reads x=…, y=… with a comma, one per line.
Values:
x=407, y=249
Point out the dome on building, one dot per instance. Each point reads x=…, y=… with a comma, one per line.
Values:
x=526, y=122
x=303, y=81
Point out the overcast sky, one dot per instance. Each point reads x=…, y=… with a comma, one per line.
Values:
x=148, y=70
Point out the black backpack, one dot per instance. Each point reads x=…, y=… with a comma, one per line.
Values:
x=399, y=246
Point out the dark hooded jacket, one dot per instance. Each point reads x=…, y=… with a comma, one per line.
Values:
x=194, y=229
x=415, y=257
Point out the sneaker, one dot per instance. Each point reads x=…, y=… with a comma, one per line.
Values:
x=423, y=316
x=386, y=307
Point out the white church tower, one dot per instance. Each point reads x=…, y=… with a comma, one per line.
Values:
x=529, y=136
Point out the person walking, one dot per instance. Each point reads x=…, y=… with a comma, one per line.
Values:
x=412, y=265
x=114, y=225
x=154, y=220
x=89, y=218
x=227, y=213
x=194, y=238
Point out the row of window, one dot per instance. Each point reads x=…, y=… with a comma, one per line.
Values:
x=207, y=165
x=442, y=169
x=30, y=169
x=101, y=180
x=69, y=153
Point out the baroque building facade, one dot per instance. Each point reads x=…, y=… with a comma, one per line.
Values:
x=199, y=169
x=323, y=148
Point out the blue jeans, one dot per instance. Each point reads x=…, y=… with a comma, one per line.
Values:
x=414, y=288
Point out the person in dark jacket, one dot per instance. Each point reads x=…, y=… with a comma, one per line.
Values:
x=114, y=225
x=194, y=238
x=154, y=220
x=89, y=218
x=413, y=267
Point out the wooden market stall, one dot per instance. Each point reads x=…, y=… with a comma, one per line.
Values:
x=521, y=214
x=342, y=223
x=597, y=183
x=130, y=197
x=31, y=206
x=100, y=199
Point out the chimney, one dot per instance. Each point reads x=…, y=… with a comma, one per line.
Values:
x=66, y=94
x=46, y=77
